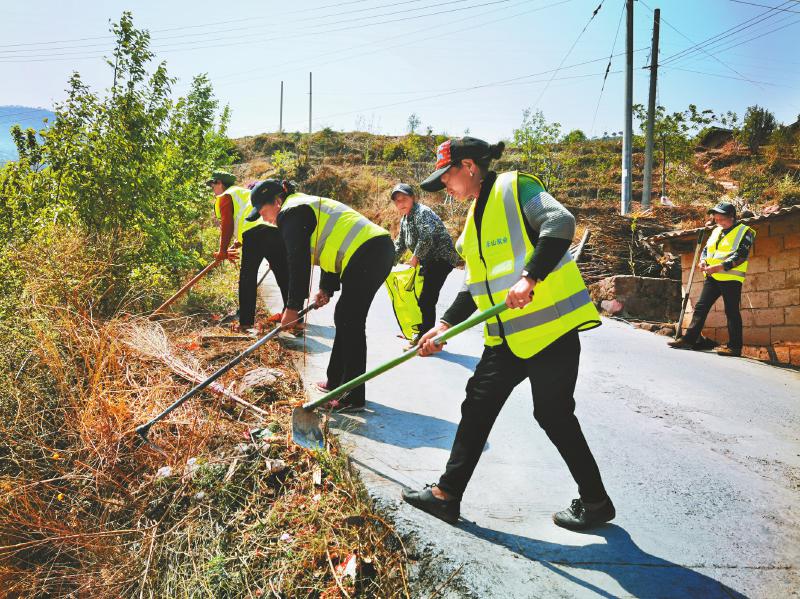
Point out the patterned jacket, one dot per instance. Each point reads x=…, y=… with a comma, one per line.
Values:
x=424, y=233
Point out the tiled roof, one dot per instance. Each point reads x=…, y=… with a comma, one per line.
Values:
x=673, y=235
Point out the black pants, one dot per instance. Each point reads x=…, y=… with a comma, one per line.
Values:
x=260, y=243
x=364, y=275
x=435, y=273
x=552, y=373
x=731, y=292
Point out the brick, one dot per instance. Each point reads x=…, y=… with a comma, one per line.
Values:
x=757, y=264
x=749, y=318
x=791, y=315
x=793, y=279
x=785, y=225
x=784, y=297
x=769, y=316
x=781, y=354
x=785, y=333
x=785, y=261
x=686, y=262
x=768, y=246
x=767, y=281
x=755, y=299
x=756, y=335
x=794, y=357
x=791, y=241
x=756, y=352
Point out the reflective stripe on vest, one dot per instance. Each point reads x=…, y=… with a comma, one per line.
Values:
x=339, y=231
x=241, y=208
x=561, y=302
x=718, y=250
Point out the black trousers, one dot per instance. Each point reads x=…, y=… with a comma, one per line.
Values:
x=260, y=243
x=731, y=292
x=364, y=275
x=435, y=273
x=552, y=373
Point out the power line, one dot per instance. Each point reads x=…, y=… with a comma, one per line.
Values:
x=572, y=47
x=217, y=30
x=211, y=24
x=766, y=6
x=248, y=75
x=671, y=26
x=500, y=83
x=731, y=31
x=246, y=40
x=608, y=69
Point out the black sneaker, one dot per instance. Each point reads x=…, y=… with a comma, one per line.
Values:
x=444, y=509
x=577, y=517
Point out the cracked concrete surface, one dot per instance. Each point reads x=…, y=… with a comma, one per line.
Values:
x=701, y=455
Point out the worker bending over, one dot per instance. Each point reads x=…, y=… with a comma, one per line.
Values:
x=258, y=241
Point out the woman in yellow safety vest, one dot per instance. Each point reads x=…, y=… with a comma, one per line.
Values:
x=258, y=242
x=352, y=252
x=515, y=245
x=724, y=263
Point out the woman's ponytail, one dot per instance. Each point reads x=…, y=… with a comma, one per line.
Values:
x=288, y=187
x=496, y=150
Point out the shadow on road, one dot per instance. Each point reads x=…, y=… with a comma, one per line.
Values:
x=638, y=572
x=465, y=360
x=408, y=430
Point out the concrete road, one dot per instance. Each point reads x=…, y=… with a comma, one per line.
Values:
x=700, y=454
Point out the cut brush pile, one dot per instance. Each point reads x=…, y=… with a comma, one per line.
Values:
x=231, y=509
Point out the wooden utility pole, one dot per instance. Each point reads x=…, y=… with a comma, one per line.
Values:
x=627, y=140
x=651, y=112
x=280, y=126
x=309, y=103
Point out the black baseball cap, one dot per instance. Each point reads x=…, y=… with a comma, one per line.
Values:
x=261, y=194
x=725, y=208
x=402, y=188
x=451, y=153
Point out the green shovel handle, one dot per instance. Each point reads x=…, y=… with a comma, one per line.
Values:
x=404, y=357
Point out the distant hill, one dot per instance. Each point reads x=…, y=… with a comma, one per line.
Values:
x=26, y=117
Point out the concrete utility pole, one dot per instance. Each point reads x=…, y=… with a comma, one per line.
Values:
x=280, y=126
x=651, y=112
x=627, y=140
x=309, y=103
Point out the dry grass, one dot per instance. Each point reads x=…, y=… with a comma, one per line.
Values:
x=84, y=512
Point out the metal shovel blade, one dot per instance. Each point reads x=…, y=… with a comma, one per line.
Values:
x=307, y=429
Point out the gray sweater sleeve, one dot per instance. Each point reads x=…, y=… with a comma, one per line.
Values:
x=546, y=214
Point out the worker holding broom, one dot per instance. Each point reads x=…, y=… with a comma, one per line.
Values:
x=515, y=244
x=354, y=254
x=423, y=233
x=257, y=240
x=724, y=265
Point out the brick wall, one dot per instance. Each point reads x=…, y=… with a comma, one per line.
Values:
x=771, y=294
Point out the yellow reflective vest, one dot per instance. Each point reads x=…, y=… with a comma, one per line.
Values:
x=340, y=231
x=241, y=208
x=405, y=286
x=495, y=258
x=718, y=250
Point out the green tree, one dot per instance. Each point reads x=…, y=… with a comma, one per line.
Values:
x=574, y=136
x=757, y=125
x=413, y=123
x=536, y=140
x=127, y=165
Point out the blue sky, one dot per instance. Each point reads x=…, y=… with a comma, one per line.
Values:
x=372, y=76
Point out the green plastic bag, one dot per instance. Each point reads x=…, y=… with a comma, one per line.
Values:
x=404, y=285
